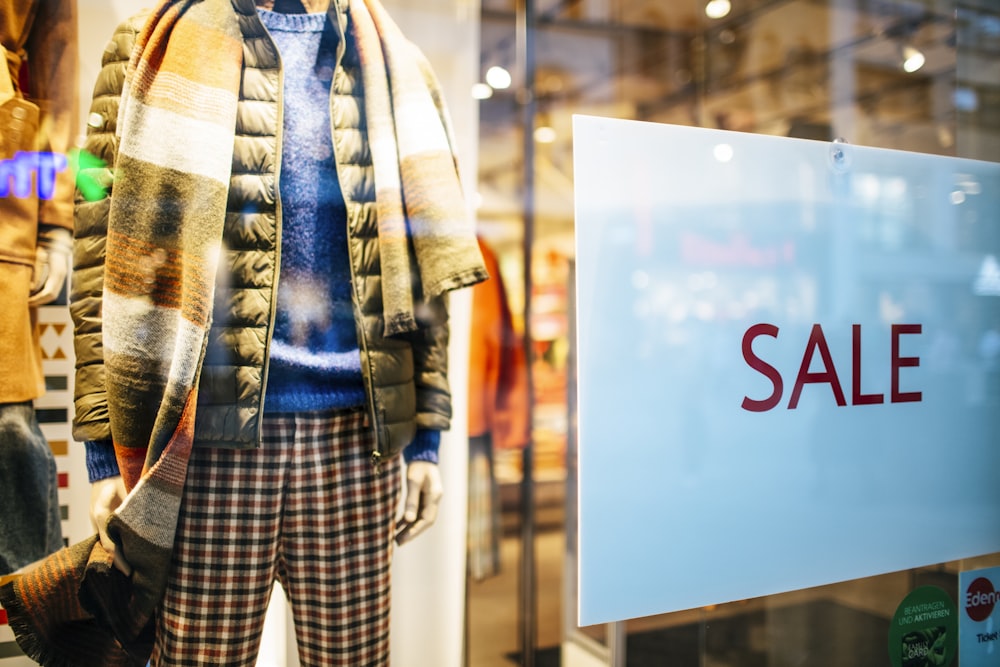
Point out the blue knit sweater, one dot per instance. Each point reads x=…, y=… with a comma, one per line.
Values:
x=314, y=362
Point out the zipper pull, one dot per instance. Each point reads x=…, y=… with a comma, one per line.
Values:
x=377, y=461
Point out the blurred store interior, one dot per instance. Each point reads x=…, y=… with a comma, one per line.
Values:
x=913, y=75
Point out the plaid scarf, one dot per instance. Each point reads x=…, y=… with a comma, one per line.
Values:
x=176, y=130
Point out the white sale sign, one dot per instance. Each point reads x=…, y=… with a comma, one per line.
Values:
x=789, y=364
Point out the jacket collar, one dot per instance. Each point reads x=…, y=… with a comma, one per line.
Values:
x=337, y=13
x=246, y=7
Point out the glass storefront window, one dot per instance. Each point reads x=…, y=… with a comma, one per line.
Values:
x=913, y=75
x=921, y=76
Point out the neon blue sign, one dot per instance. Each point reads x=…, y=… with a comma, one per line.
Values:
x=16, y=174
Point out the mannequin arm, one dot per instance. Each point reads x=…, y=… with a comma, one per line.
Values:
x=430, y=361
x=52, y=260
x=423, y=495
x=105, y=497
x=53, y=72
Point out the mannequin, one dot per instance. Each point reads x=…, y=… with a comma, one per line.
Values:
x=37, y=112
x=300, y=486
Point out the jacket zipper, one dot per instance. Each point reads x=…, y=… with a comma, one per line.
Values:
x=277, y=237
x=352, y=218
x=376, y=457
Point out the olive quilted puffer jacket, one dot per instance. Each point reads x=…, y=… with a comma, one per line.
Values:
x=405, y=376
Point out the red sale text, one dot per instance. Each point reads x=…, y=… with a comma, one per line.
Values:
x=828, y=375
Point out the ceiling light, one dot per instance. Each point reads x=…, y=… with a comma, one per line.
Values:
x=498, y=77
x=481, y=91
x=545, y=135
x=716, y=9
x=913, y=59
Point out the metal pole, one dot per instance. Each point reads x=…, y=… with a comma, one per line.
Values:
x=528, y=592
x=616, y=643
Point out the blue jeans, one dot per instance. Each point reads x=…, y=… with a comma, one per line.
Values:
x=30, y=521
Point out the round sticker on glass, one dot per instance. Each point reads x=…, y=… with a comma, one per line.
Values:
x=980, y=599
x=924, y=631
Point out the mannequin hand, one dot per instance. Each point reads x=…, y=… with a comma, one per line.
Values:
x=52, y=258
x=423, y=494
x=105, y=497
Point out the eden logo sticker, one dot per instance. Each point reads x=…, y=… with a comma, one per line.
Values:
x=980, y=599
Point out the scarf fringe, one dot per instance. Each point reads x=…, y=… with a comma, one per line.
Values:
x=31, y=644
x=56, y=631
x=49, y=654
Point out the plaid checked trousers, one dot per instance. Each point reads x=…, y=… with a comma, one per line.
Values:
x=307, y=509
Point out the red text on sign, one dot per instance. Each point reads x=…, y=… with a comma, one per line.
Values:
x=828, y=375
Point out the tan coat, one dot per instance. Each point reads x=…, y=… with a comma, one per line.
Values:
x=40, y=38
